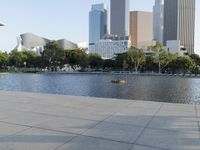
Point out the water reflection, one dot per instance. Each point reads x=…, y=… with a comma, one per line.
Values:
x=163, y=89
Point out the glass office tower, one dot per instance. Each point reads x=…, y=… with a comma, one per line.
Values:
x=97, y=24
x=158, y=20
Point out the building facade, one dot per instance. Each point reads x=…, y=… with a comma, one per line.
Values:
x=158, y=21
x=108, y=48
x=175, y=47
x=179, y=23
x=66, y=44
x=97, y=24
x=30, y=41
x=119, y=17
x=141, y=29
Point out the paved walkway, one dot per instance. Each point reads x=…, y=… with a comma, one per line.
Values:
x=54, y=122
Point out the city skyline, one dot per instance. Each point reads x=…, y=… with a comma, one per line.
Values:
x=56, y=26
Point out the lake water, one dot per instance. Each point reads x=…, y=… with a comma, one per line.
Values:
x=150, y=88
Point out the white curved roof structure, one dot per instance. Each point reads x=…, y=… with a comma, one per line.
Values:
x=1, y=24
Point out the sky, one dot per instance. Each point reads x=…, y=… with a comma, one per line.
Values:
x=55, y=19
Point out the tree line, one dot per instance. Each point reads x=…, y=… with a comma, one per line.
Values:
x=54, y=58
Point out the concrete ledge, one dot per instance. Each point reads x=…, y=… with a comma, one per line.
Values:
x=36, y=121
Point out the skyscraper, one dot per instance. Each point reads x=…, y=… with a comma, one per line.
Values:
x=141, y=29
x=119, y=17
x=97, y=24
x=158, y=21
x=179, y=23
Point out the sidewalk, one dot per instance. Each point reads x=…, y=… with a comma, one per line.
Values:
x=30, y=121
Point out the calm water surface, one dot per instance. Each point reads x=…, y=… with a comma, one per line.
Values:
x=162, y=89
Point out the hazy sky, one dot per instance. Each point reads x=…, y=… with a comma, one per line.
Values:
x=54, y=19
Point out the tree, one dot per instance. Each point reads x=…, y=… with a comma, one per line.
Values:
x=17, y=59
x=121, y=61
x=4, y=58
x=95, y=61
x=162, y=57
x=30, y=58
x=76, y=58
x=84, y=61
x=53, y=55
x=150, y=64
x=108, y=64
x=136, y=58
x=196, y=59
x=182, y=65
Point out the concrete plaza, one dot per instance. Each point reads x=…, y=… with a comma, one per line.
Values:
x=32, y=121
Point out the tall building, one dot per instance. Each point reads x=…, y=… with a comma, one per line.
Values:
x=141, y=29
x=158, y=21
x=97, y=24
x=119, y=17
x=179, y=23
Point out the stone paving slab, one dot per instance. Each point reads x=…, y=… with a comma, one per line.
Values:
x=71, y=125
x=173, y=140
x=27, y=119
x=35, y=139
x=35, y=121
x=116, y=132
x=88, y=143
x=135, y=114
x=176, y=123
x=10, y=129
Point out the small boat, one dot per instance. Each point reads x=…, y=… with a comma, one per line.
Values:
x=118, y=81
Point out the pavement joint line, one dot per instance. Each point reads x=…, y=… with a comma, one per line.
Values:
x=67, y=142
x=146, y=127
x=2, y=138
x=65, y=116
x=98, y=138
x=150, y=146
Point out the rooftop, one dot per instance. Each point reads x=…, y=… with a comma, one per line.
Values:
x=56, y=122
